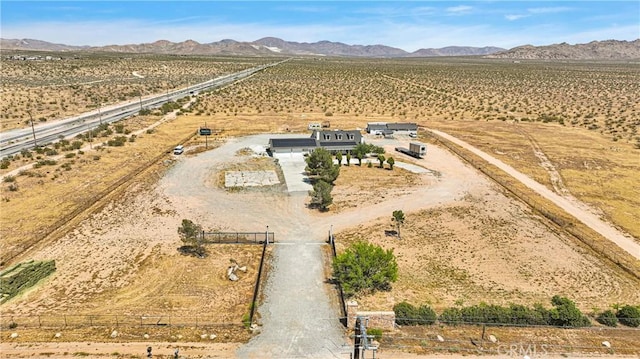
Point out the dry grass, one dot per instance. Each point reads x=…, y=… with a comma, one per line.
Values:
x=363, y=186
x=487, y=248
x=73, y=183
x=592, y=168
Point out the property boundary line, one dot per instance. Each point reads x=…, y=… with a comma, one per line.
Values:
x=343, y=307
x=256, y=290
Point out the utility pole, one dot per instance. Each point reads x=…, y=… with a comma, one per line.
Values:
x=33, y=130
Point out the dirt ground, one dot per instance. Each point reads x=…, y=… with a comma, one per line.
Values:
x=460, y=229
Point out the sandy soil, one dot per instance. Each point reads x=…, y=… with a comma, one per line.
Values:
x=113, y=259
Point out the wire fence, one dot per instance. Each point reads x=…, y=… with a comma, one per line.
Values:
x=343, y=303
x=548, y=210
x=238, y=237
x=112, y=321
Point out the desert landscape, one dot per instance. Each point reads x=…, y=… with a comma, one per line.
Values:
x=109, y=214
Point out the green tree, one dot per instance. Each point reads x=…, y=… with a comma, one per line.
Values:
x=190, y=234
x=365, y=268
x=339, y=158
x=321, y=195
x=360, y=151
x=381, y=159
x=398, y=217
x=391, y=162
x=320, y=165
x=348, y=158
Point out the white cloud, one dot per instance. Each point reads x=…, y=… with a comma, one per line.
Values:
x=514, y=17
x=459, y=9
x=548, y=10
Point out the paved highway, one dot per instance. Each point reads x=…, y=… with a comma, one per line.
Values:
x=14, y=141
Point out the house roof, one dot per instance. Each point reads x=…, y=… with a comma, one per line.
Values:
x=402, y=126
x=376, y=126
x=292, y=142
x=338, y=144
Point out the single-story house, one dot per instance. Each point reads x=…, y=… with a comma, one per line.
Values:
x=292, y=145
x=389, y=129
x=331, y=140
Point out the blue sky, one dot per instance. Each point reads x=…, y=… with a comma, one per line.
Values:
x=403, y=24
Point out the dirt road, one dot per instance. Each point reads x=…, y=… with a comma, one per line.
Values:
x=570, y=205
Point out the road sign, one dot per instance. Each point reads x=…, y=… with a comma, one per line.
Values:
x=205, y=131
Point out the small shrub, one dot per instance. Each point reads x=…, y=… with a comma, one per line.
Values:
x=425, y=315
x=405, y=313
x=9, y=179
x=376, y=332
x=4, y=164
x=629, y=316
x=451, y=316
x=608, y=318
x=70, y=155
x=13, y=187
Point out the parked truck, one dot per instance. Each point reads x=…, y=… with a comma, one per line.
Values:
x=416, y=149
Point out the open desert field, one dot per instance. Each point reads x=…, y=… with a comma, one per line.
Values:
x=70, y=83
x=105, y=214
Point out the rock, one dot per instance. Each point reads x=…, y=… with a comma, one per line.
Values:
x=233, y=277
x=58, y=335
x=203, y=336
x=114, y=334
x=146, y=336
x=212, y=336
x=179, y=336
x=606, y=344
x=493, y=339
x=243, y=269
x=440, y=338
x=13, y=335
x=229, y=271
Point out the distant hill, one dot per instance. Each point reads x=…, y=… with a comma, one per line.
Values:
x=262, y=47
x=456, y=51
x=595, y=50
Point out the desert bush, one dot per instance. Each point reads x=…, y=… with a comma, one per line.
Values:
x=4, y=164
x=425, y=315
x=451, y=316
x=629, y=316
x=9, y=179
x=117, y=141
x=608, y=318
x=405, y=313
x=365, y=268
x=566, y=314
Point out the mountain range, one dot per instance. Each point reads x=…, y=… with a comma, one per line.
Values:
x=610, y=49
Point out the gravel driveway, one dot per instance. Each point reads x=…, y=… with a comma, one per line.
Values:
x=297, y=316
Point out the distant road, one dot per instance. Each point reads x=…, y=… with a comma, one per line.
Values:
x=589, y=219
x=14, y=141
